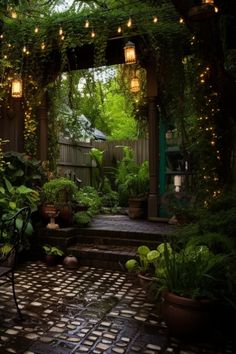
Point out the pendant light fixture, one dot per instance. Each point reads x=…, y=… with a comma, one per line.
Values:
x=135, y=84
x=129, y=52
x=17, y=87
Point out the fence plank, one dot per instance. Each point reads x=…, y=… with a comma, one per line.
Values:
x=113, y=151
x=75, y=161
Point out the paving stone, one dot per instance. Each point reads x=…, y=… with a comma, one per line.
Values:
x=92, y=320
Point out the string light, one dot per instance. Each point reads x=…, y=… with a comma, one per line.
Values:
x=155, y=19
x=43, y=46
x=129, y=23
x=13, y=14
x=60, y=31
x=119, y=30
x=24, y=50
x=93, y=34
x=36, y=30
x=181, y=20
x=86, y=25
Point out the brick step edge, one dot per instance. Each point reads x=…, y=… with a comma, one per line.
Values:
x=82, y=239
x=105, y=258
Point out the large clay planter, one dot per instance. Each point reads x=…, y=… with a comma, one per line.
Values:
x=186, y=317
x=137, y=208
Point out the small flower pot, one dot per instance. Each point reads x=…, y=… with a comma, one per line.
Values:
x=50, y=260
x=70, y=262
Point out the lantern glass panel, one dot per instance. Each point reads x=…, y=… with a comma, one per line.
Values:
x=130, y=54
x=16, y=88
x=134, y=85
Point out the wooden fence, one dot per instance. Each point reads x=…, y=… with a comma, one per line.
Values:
x=113, y=150
x=75, y=161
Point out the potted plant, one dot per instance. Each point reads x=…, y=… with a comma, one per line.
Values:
x=57, y=194
x=145, y=266
x=190, y=282
x=52, y=253
x=138, y=186
x=132, y=182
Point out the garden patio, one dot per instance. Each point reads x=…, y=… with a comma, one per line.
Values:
x=90, y=310
x=168, y=218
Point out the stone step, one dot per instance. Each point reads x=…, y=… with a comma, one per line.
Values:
x=103, y=256
x=120, y=241
x=122, y=234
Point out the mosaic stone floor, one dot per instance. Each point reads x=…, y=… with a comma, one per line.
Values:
x=86, y=310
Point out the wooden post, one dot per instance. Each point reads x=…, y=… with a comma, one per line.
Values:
x=43, y=129
x=153, y=125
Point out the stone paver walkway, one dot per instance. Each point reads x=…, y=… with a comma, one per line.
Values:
x=87, y=310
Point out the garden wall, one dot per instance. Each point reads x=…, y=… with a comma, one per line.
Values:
x=75, y=162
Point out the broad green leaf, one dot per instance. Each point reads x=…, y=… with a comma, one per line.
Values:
x=152, y=255
x=143, y=250
x=131, y=264
x=12, y=205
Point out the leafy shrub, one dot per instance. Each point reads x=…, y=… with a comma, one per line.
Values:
x=194, y=272
x=59, y=190
x=82, y=218
x=89, y=196
x=132, y=180
x=20, y=169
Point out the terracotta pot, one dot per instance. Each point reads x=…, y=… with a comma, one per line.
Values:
x=46, y=210
x=137, y=208
x=65, y=214
x=70, y=262
x=145, y=280
x=148, y=284
x=186, y=317
x=50, y=260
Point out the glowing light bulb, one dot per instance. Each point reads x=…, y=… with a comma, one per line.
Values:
x=60, y=31
x=43, y=46
x=93, y=34
x=86, y=25
x=36, y=30
x=24, y=50
x=14, y=14
x=129, y=23
x=119, y=30
x=181, y=20
x=155, y=19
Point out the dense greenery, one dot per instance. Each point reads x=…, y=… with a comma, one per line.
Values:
x=96, y=94
x=31, y=45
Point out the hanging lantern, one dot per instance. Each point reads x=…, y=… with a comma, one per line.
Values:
x=130, y=54
x=210, y=2
x=16, y=88
x=134, y=84
x=203, y=11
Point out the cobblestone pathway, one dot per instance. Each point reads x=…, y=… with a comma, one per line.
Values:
x=85, y=311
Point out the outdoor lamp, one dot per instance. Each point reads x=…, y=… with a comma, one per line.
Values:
x=129, y=51
x=210, y=2
x=134, y=84
x=16, y=87
x=177, y=183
